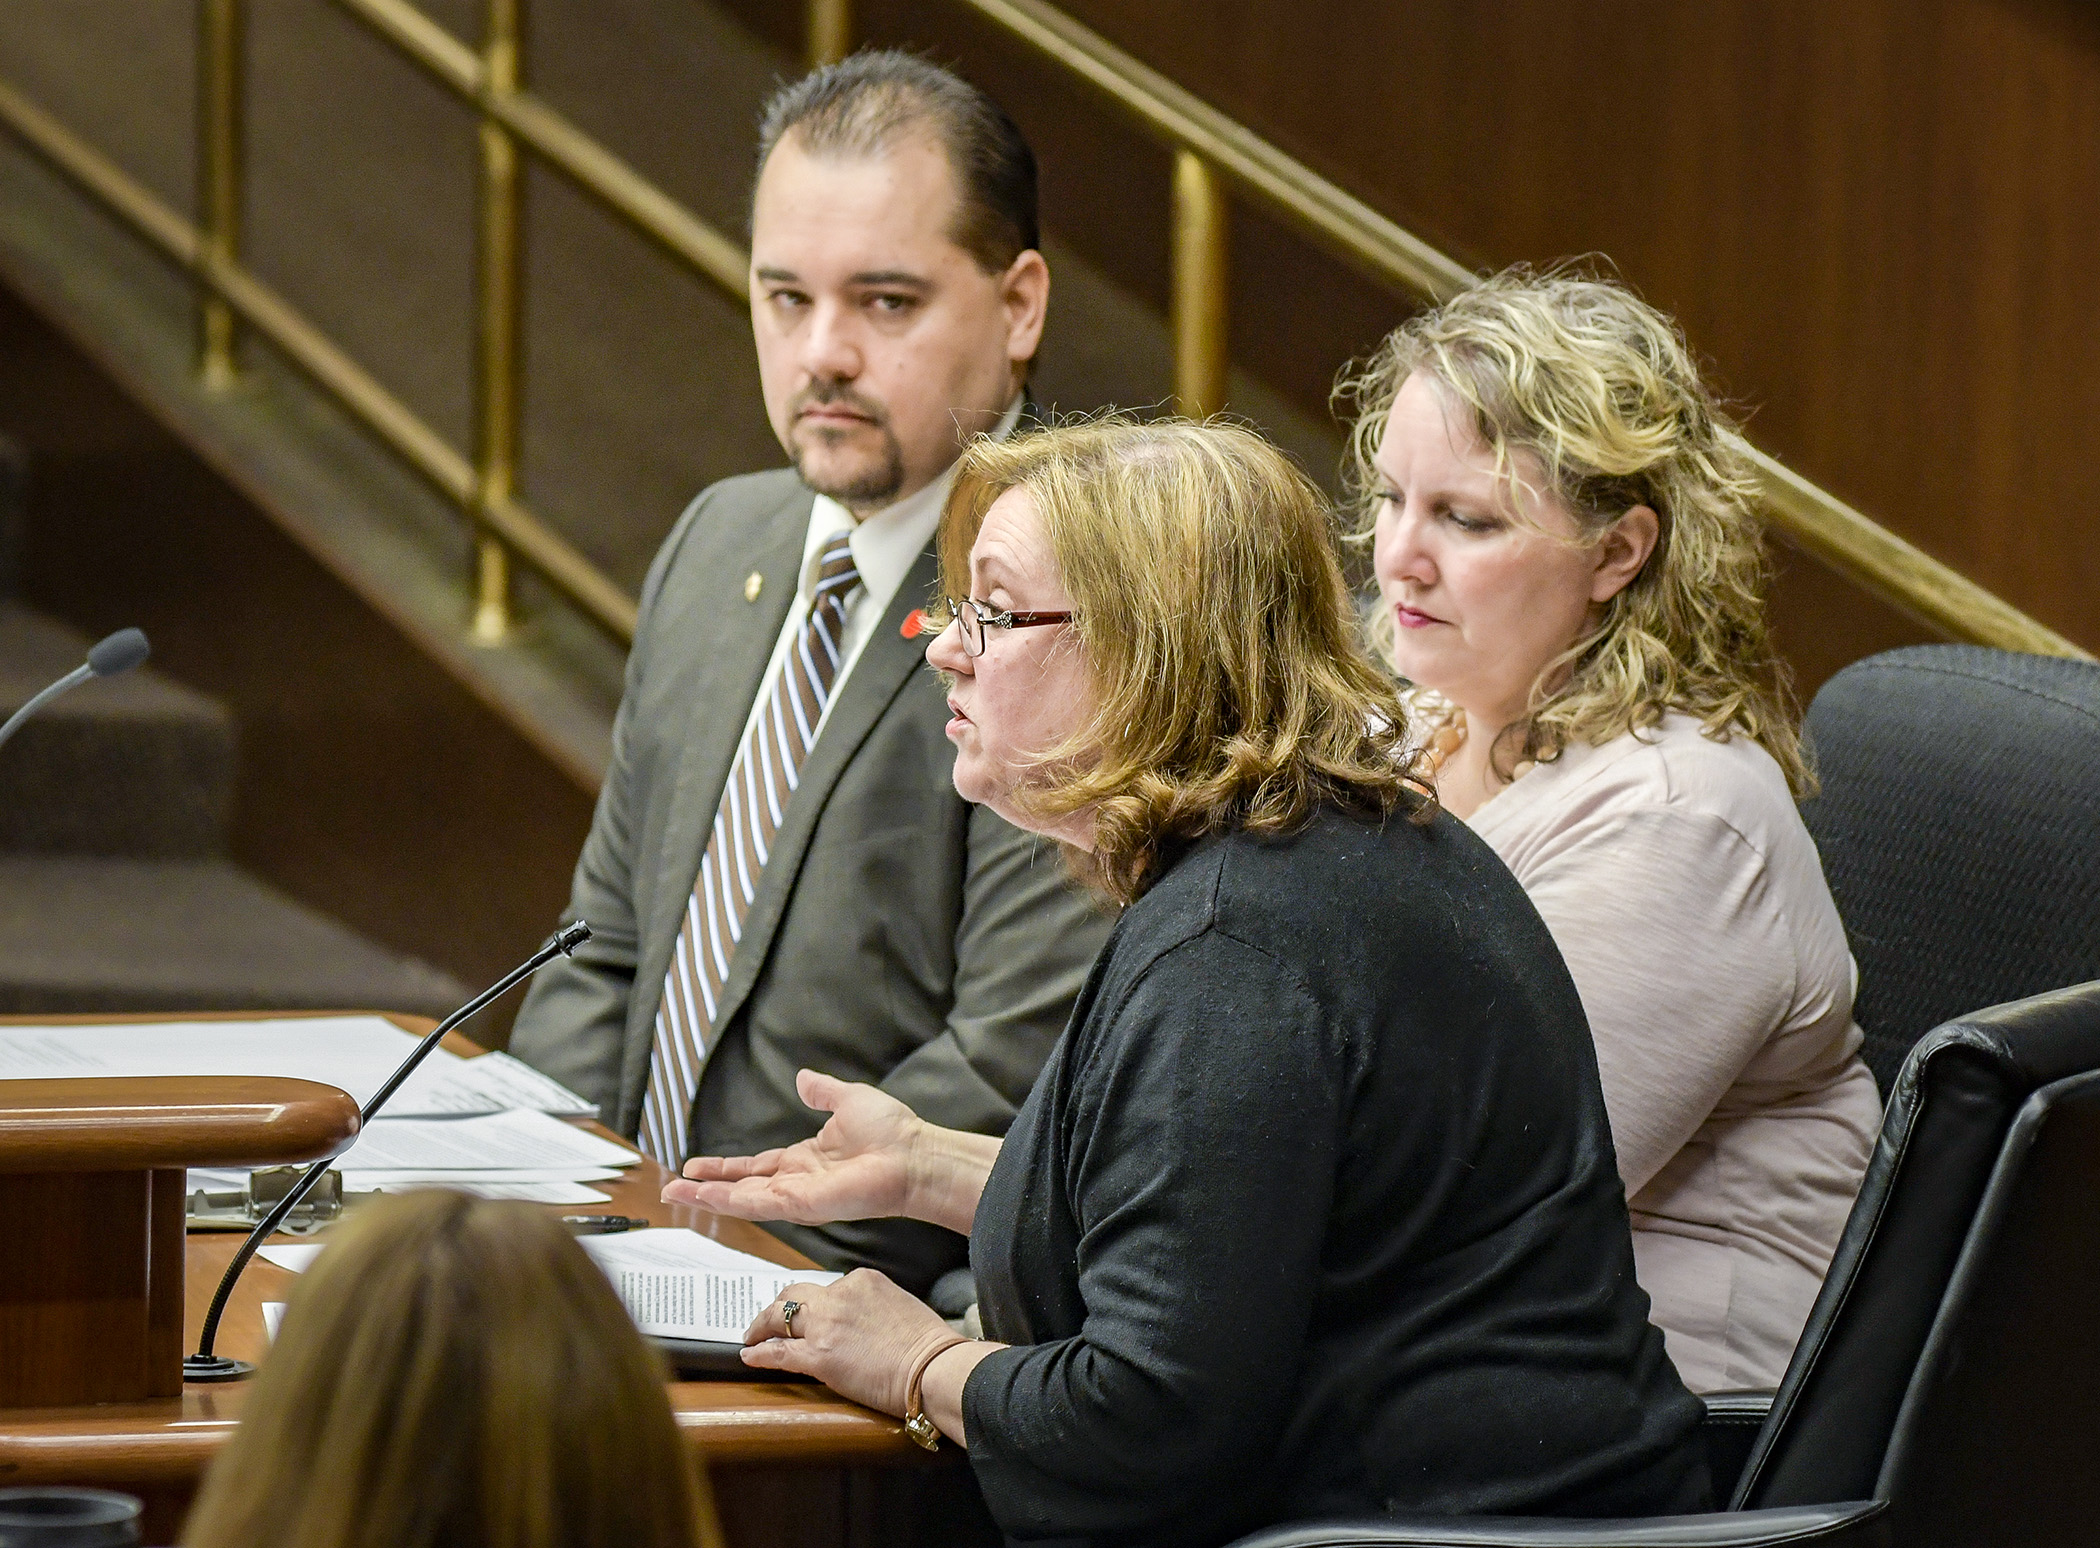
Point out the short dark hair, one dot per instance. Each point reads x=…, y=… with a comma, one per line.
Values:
x=862, y=103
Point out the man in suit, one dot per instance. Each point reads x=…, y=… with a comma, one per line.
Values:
x=780, y=873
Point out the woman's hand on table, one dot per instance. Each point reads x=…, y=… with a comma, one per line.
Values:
x=861, y=1337
x=873, y=1159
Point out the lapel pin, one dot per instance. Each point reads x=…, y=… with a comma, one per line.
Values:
x=754, y=583
x=914, y=624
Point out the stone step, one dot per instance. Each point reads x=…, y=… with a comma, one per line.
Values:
x=134, y=765
x=113, y=893
x=84, y=933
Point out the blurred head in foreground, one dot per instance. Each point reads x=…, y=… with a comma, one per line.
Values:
x=455, y=1371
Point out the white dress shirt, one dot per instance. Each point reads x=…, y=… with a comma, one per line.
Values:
x=886, y=544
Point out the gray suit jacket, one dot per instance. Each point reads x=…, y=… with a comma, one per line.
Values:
x=900, y=936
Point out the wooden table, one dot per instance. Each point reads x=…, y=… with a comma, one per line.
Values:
x=792, y=1462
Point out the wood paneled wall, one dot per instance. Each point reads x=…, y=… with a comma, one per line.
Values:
x=370, y=785
x=1878, y=220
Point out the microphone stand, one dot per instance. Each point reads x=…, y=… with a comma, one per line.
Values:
x=206, y=1366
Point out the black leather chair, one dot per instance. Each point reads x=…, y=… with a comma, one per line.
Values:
x=1959, y=824
x=1947, y=1387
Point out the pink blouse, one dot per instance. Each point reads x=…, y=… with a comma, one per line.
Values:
x=1688, y=899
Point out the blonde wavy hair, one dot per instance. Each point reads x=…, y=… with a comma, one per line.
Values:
x=1233, y=690
x=1575, y=381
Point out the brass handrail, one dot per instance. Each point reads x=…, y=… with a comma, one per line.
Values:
x=219, y=103
x=1210, y=151
x=1865, y=553
x=593, y=169
x=593, y=593
x=1339, y=221
x=1901, y=574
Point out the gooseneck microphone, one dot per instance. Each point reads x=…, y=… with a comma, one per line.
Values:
x=206, y=1366
x=119, y=653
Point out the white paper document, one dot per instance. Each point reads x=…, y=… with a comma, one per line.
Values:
x=492, y=1083
x=674, y=1283
x=680, y=1284
x=492, y=1142
x=298, y=1258
x=215, y=1179
x=355, y=1053
x=483, y=1185
x=536, y=1185
x=355, y=1181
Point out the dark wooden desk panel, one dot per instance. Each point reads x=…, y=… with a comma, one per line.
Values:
x=91, y=1186
x=792, y=1463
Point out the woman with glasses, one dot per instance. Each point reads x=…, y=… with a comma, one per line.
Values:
x=1312, y=1210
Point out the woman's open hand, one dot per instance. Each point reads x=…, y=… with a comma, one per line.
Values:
x=857, y=1167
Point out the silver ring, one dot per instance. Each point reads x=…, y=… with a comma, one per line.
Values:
x=787, y=1315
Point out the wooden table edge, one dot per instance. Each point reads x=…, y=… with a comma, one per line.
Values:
x=159, y=1447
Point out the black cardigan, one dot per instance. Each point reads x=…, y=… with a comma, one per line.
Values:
x=1314, y=1211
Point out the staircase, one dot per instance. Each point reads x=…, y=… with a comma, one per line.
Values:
x=641, y=387
x=289, y=523
x=115, y=890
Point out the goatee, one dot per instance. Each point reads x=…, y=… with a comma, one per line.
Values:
x=874, y=484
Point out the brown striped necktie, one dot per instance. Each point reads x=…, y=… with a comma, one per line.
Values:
x=761, y=781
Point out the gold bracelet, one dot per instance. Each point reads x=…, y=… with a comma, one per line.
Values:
x=916, y=1424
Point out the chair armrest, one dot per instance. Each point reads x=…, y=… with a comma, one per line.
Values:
x=1730, y=1429
x=1853, y=1524
x=1747, y=1406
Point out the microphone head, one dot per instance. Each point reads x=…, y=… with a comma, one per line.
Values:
x=119, y=653
x=569, y=937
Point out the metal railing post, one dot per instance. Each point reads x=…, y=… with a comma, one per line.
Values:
x=499, y=301
x=219, y=91
x=1202, y=354
x=830, y=31
x=1212, y=152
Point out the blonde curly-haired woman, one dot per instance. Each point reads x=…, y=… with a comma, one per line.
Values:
x=1572, y=580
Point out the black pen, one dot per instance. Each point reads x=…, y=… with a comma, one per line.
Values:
x=601, y=1225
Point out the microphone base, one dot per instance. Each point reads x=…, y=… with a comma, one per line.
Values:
x=204, y=1367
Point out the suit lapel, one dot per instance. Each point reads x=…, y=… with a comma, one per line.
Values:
x=886, y=663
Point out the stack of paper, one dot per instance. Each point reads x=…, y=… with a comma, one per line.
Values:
x=674, y=1283
x=680, y=1284
x=509, y=1155
x=355, y=1053
x=481, y=1124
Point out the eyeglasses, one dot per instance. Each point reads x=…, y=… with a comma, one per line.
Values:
x=973, y=617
